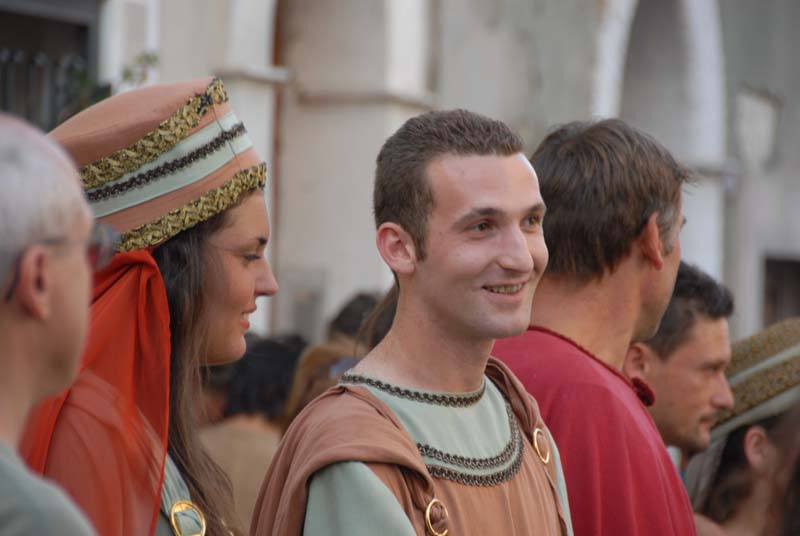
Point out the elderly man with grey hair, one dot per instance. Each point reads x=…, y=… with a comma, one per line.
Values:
x=47, y=245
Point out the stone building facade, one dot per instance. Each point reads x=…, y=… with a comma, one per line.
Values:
x=321, y=84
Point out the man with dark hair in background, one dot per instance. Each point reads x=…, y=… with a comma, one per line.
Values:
x=684, y=362
x=428, y=434
x=346, y=325
x=614, y=217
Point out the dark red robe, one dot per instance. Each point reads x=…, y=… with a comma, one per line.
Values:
x=620, y=479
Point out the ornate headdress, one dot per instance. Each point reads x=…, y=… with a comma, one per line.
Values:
x=764, y=376
x=154, y=162
x=157, y=161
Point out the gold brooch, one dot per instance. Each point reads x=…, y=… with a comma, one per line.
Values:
x=184, y=507
x=431, y=530
x=536, y=433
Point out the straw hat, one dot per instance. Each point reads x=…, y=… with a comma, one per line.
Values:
x=764, y=376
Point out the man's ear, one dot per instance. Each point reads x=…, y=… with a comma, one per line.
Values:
x=651, y=242
x=397, y=248
x=638, y=361
x=33, y=282
x=758, y=449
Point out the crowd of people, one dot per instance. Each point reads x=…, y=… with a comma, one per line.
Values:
x=542, y=352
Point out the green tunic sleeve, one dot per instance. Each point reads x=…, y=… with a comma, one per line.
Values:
x=348, y=499
x=561, y=487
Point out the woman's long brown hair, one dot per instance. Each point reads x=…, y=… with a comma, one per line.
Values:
x=187, y=265
x=734, y=480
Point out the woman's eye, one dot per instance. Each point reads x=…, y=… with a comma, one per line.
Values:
x=532, y=221
x=250, y=257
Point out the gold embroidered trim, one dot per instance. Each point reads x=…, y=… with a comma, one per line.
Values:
x=773, y=340
x=172, y=130
x=759, y=388
x=199, y=210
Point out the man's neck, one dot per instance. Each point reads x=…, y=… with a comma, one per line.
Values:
x=15, y=403
x=598, y=316
x=420, y=354
x=17, y=391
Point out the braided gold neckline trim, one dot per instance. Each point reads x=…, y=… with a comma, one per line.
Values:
x=443, y=399
x=210, y=204
x=172, y=130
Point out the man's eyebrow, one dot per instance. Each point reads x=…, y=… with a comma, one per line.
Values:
x=487, y=212
x=475, y=213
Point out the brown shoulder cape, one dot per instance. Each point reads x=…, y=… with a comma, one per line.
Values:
x=348, y=423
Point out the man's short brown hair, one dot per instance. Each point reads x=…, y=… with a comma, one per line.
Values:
x=601, y=182
x=403, y=194
x=696, y=295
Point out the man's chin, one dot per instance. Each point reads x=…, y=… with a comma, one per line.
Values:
x=696, y=445
x=510, y=330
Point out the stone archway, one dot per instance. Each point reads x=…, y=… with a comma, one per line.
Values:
x=660, y=67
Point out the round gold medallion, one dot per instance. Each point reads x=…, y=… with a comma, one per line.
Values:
x=428, y=523
x=184, y=507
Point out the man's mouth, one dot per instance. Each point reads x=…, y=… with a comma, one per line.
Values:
x=505, y=289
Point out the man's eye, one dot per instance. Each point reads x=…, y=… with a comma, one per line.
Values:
x=251, y=257
x=482, y=226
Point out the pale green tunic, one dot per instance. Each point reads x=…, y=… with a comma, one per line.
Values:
x=30, y=504
x=174, y=489
x=349, y=499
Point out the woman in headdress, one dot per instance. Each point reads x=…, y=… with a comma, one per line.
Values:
x=170, y=167
x=748, y=480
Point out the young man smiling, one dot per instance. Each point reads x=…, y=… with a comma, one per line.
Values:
x=428, y=434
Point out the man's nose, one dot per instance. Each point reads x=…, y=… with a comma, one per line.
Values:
x=516, y=254
x=723, y=398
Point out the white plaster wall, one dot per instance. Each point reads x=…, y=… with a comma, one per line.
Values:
x=358, y=71
x=515, y=61
x=674, y=68
x=127, y=28
x=672, y=88
x=336, y=47
x=408, y=44
x=761, y=44
x=705, y=80
x=612, y=46
x=703, y=236
x=655, y=89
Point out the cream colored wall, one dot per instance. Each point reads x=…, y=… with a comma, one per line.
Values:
x=672, y=87
x=763, y=85
x=232, y=39
x=358, y=70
